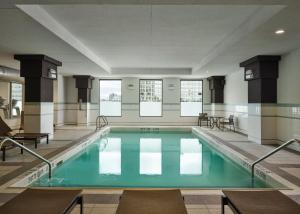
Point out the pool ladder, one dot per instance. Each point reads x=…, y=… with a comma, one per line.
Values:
x=101, y=121
x=271, y=153
x=6, y=139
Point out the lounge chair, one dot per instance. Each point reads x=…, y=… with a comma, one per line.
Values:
x=229, y=122
x=45, y=201
x=151, y=202
x=259, y=202
x=205, y=118
x=8, y=146
x=22, y=122
x=6, y=131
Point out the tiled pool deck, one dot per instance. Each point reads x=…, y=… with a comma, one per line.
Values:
x=286, y=164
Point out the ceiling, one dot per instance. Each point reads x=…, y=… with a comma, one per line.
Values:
x=203, y=39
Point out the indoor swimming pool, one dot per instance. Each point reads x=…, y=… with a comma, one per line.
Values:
x=162, y=159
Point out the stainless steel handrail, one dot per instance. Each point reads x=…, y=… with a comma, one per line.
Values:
x=98, y=122
x=271, y=153
x=29, y=151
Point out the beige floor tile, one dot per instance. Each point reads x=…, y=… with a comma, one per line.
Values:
x=106, y=205
x=213, y=206
x=198, y=211
x=293, y=171
x=195, y=206
x=86, y=210
x=103, y=210
x=218, y=211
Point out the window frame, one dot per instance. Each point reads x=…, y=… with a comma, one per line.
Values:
x=10, y=115
x=121, y=95
x=162, y=96
x=180, y=95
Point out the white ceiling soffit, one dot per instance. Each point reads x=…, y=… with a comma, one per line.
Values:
x=11, y=3
x=259, y=17
x=158, y=36
x=45, y=19
x=152, y=71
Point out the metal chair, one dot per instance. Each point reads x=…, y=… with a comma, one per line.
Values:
x=205, y=118
x=229, y=122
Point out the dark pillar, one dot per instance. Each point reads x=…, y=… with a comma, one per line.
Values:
x=216, y=86
x=39, y=72
x=261, y=72
x=84, y=86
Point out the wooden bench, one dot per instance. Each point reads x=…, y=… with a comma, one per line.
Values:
x=43, y=201
x=151, y=202
x=259, y=202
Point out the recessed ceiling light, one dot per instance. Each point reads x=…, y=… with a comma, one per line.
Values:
x=280, y=31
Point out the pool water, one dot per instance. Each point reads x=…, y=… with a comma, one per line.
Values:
x=139, y=159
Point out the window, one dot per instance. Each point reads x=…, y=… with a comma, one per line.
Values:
x=110, y=156
x=191, y=97
x=190, y=157
x=151, y=98
x=110, y=97
x=16, y=99
x=150, y=156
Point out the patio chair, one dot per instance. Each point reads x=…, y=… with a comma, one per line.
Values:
x=259, y=202
x=8, y=146
x=229, y=122
x=151, y=201
x=46, y=201
x=22, y=122
x=205, y=118
x=5, y=130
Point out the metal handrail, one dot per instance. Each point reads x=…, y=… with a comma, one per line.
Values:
x=98, y=122
x=271, y=153
x=29, y=151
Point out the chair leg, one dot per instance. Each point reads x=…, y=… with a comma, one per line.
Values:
x=223, y=203
x=81, y=205
x=3, y=154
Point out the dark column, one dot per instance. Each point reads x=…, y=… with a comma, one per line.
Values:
x=216, y=86
x=261, y=72
x=84, y=86
x=39, y=72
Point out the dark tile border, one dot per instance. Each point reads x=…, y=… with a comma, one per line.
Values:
x=26, y=166
x=114, y=199
x=273, y=167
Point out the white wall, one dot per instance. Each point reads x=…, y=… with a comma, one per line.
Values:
x=59, y=100
x=130, y=104
x=236, y=89
x=235, y=100
x=8, y=61
x=171, y=105
x=281, y=120
x=286, y=112
x=288, y=108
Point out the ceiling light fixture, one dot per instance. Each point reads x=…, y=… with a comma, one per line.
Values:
x=279, y=31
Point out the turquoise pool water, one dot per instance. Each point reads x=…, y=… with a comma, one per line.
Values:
x=163, y=159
